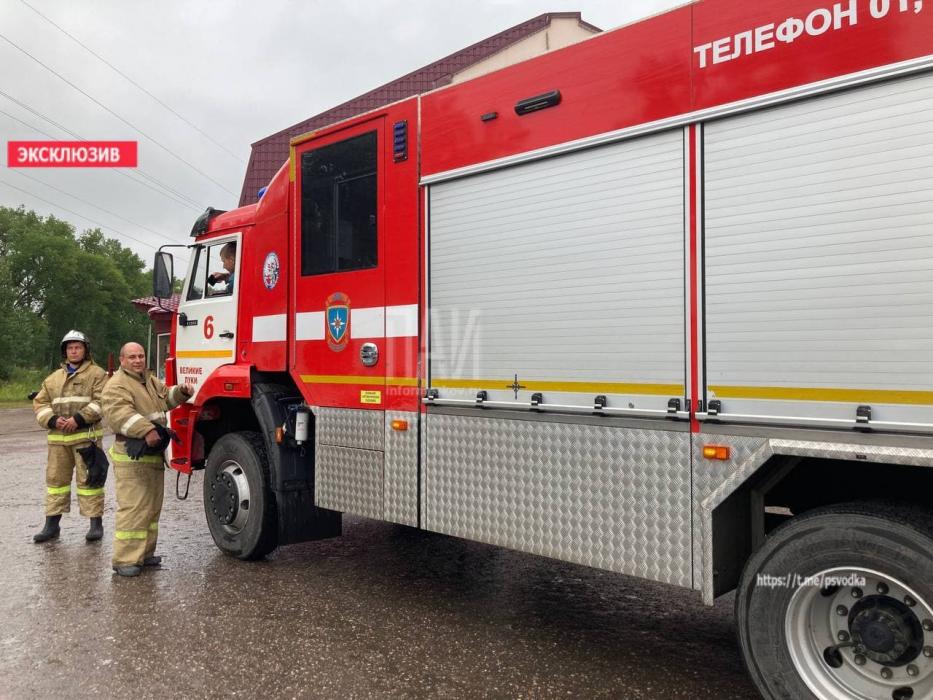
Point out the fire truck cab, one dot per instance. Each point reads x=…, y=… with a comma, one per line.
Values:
x=660, y=303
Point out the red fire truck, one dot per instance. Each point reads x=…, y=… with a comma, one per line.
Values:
x=660, y=303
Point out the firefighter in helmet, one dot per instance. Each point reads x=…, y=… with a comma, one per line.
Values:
x=136, y=403
x=68, y=406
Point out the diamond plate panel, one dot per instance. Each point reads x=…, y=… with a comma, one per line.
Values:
x=908, y=456
x=714, y=480
x=613, y=498
x=709, y=475
x=350, y=428
x=423, y=479
x=349, y=480
x=401, y=470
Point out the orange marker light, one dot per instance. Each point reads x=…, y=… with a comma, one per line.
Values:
x=279, y=435
x=716, y=451
x=400, y=425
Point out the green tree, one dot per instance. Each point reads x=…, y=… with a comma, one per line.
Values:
x=52, y=280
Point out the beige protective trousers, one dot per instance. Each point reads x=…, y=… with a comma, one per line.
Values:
x=64, y=460
x=140, y=486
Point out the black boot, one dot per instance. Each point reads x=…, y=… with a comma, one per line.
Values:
x=50, y=531
x=96, y=531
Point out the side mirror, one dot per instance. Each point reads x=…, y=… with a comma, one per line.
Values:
x=162, y=275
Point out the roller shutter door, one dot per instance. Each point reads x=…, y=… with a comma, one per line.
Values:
x=819, y=256
x=566, y=274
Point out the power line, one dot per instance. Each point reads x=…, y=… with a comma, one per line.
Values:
x=179, y=197
x=170, y=193
x=26, y=124
x=133, y=82
x=106, y=211
x=122, y=119
x=81, y=216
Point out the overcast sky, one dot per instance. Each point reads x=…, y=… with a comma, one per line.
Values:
x=237, y=70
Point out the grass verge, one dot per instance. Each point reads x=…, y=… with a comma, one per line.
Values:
x=13, y=391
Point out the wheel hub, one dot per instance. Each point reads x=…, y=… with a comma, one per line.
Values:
x=229, y=498
x=224, y=503
x=887, y=629
x=861, y=634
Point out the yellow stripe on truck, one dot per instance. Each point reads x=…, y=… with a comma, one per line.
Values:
x=340, y=379
x=824, y=394
x=203, y=354
x=580, y=387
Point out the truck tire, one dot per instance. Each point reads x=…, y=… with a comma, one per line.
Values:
x=838, y=603
x=238, y=503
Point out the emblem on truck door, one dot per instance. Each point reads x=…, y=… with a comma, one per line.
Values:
x=270, y=270
x=337, y=319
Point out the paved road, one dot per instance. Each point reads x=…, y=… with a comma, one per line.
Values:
x=384, y=611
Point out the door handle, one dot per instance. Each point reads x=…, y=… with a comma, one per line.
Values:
x=227, y=334
x=369, y=354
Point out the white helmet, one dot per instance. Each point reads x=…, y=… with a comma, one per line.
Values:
x=74, y=336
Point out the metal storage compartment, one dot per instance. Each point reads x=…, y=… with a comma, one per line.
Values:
x=566, y=274
x=819, y=257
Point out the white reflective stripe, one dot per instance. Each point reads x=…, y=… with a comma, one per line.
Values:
x=368, y=323
x=44, y=414
x=267, y=329
x=309, y=325
x=71, y=399
x=371, y=322
x=158, y=415
x=94, y=407
x=130, y=422
x=402, y=321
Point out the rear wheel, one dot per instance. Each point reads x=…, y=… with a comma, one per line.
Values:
x=838, y=603
x=238, y=502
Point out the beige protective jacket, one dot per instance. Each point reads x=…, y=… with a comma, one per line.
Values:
x=133, y=403
x=76, y=395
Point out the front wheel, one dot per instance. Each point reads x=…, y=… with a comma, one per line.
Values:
x=838, y=603
x=238, y=502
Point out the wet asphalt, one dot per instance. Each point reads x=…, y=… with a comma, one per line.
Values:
x=384, y=611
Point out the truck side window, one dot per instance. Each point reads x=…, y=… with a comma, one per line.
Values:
x=198, y=275
x=221, y=268
x=338, y=206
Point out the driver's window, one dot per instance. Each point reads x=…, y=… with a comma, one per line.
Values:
x=221, y=268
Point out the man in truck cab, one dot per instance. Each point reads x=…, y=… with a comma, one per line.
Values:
x=222, y=282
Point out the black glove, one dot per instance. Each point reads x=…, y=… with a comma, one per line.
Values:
x=97, y=465
x=137, y=447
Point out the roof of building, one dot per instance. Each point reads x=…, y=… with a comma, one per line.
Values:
x=269, y=153
x=153, y=307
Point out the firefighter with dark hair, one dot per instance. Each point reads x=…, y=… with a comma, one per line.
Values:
x=68, y=406
x=222, y=282
x=136, y=405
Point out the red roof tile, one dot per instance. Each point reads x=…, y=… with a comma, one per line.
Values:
x=152, y=306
